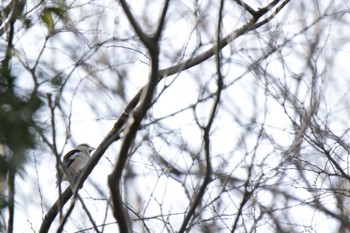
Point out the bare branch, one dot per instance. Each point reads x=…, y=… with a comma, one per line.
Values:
x=246, y=7
x=162, y=21
x=207, y=129
x=114, y=179
x=52, y=213
x=114, y=134
x=11, y=201
x=144, y=38
x=247, y=27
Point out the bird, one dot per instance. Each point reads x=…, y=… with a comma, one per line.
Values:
x=74, y=162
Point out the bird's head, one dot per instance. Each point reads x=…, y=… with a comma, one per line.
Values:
x=85, y=147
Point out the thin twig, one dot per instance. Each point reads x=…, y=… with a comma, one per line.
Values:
x=117, y=129
x=70, y=209
x=206, y=137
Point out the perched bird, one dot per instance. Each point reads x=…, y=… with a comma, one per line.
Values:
x=74, y=162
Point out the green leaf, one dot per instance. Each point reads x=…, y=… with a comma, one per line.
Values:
x=59, y=12
x=46, y=17
x=27, y=22
x=57, y=80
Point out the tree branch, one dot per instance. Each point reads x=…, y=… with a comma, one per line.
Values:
x=144, y=38
x=207, y=129
x=145, y=97
x=247, y=27
x=52, y=213
x=117, y=129
x=162, y=21
x=11, y=198
x=246, y=7
x=114, y=179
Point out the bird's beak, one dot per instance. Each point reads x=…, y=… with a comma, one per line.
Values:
x=91, y=149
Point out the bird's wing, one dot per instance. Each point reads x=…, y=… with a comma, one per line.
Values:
x=69, y=158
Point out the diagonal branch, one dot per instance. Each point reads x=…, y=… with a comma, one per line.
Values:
x=52, y=213
x=117, y=129
x=70, y=209
x=247, y=27
x=140, y=33
x=246, y=6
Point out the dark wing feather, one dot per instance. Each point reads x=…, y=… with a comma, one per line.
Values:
x=68, y=159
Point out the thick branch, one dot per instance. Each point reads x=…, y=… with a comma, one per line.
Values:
x=246, y=6
x=145, y=96
x=162, y=21
x=144, y=38
x=52, y=213
x=115, y=132
x=112, y=136
x=114, y=179
x=11, y=198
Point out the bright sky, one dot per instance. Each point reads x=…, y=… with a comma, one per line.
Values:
x=91, y=101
